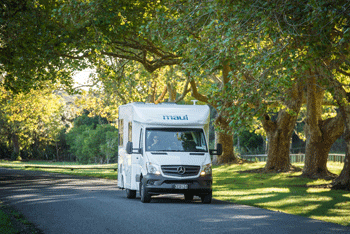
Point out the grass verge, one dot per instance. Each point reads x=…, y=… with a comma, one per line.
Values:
x=284, y=192
x=13, y=222
x=6, y=225
x=99, y=171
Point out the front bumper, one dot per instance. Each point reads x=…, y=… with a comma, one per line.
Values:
x=158, y=184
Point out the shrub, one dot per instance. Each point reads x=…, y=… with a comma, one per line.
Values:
x=93, y=145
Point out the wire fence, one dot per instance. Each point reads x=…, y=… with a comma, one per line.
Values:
x=72, y=168
x=294, y=158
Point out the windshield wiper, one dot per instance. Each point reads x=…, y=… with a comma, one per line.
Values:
x=162, y=153
x=196, y=153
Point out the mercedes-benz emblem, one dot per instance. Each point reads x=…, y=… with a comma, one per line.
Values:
x=181, y=170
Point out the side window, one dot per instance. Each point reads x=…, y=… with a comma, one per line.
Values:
x=141, y=139
x=121, y=132
x=130, y=131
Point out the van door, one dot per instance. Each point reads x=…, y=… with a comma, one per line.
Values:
x=142, y=159
x=128, y=163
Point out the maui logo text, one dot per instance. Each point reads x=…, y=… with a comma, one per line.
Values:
x=175, y=117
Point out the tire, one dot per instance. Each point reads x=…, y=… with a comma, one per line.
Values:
x=188, y=196
x=145, y=196
x=206, y=199
x=130, y=193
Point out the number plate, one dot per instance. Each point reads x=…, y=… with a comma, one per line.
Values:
x=181, y=186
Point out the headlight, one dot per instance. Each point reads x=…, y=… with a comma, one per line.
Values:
x=206, y=169
x=153, y=169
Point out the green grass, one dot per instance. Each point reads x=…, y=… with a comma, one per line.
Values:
x=6, y=226
x=61, y=167
x=13, y=222
x=285, y=192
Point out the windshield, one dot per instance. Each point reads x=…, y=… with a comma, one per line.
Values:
x=175, y=139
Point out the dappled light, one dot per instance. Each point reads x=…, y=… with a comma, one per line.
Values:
x=273, y=75
x=58, y=192
x=285, y=192
x=48, y=188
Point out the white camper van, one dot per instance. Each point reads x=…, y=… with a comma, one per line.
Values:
x=164, y=149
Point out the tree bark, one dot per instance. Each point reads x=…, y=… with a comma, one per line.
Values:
x=16, y=146
x=279, y=131
x=279, y=134
x=317, y=149
x=342, y=98
x=228, y=155
x=343, y=180
x=320, y=134
x=171, y=91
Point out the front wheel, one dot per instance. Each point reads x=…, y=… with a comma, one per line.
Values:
x=130, y=193
x=206, y=199
x=189, y=196
x=145, y=196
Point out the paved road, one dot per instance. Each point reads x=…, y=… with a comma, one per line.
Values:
x=65, y=204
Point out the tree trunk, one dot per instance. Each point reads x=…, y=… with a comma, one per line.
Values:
x=151, y=98
x=279, y=134
x=342, y=98
x=343, y=180
x=320, y=134
x=317, y=148
x=16, y=147
x=228, y=155
x=171, y=91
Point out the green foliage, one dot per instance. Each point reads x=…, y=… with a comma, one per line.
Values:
x=89, y=121
x=47, y=40
x=30, y=123
x=269, y=45
x=6, y=226
x=29, y=45
x=92, y=142
x=249, y=143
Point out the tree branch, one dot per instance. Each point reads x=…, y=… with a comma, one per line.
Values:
x=195, y=92
x=185, y=91
x=161, y=97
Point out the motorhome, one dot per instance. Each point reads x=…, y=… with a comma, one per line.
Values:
x=164, y=148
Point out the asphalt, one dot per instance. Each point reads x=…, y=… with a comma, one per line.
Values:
x=64, y=204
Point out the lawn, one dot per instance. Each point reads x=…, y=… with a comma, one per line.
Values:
x=106, y=171
x=6, y=225
x=284, y=192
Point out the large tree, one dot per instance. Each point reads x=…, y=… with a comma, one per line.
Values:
x=210, y=37
x=224, y=133
x=29, y=38
x=277, y=43
x=31, y=122
x=46, y=40
x=342, y=96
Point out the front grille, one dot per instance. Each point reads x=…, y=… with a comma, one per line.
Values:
x=173, y=170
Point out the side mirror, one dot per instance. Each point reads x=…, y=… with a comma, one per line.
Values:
x=130, y=149
x=217, y=151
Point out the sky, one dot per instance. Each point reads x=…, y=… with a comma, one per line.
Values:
x=82, y=78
